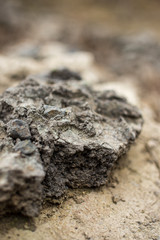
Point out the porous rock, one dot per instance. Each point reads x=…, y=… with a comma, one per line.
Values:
x=77, y=135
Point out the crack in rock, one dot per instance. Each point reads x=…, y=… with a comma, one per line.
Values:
x=56, y=135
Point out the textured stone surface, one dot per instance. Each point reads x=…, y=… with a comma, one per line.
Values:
x=77, y=135
x=18, y=129
x=21, y=175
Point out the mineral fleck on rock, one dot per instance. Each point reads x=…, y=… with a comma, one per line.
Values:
x=60, y=135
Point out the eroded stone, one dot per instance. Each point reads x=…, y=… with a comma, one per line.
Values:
x=20, y=182
x=77, y=135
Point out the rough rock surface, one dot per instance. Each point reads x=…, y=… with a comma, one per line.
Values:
x=56, y=135
x=21, y=174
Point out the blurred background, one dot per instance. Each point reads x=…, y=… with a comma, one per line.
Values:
x=123, y=36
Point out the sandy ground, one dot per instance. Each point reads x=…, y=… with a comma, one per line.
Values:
x=128, y=206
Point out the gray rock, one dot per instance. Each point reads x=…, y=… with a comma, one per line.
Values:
x=20, y=182
x=25, y=147
x=64, y=74
x=18, y=129
x=77, y=135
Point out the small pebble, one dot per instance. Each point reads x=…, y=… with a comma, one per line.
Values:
x=18, y=129
x=26, y=147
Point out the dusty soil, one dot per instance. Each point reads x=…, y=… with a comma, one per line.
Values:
x=128, y=206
